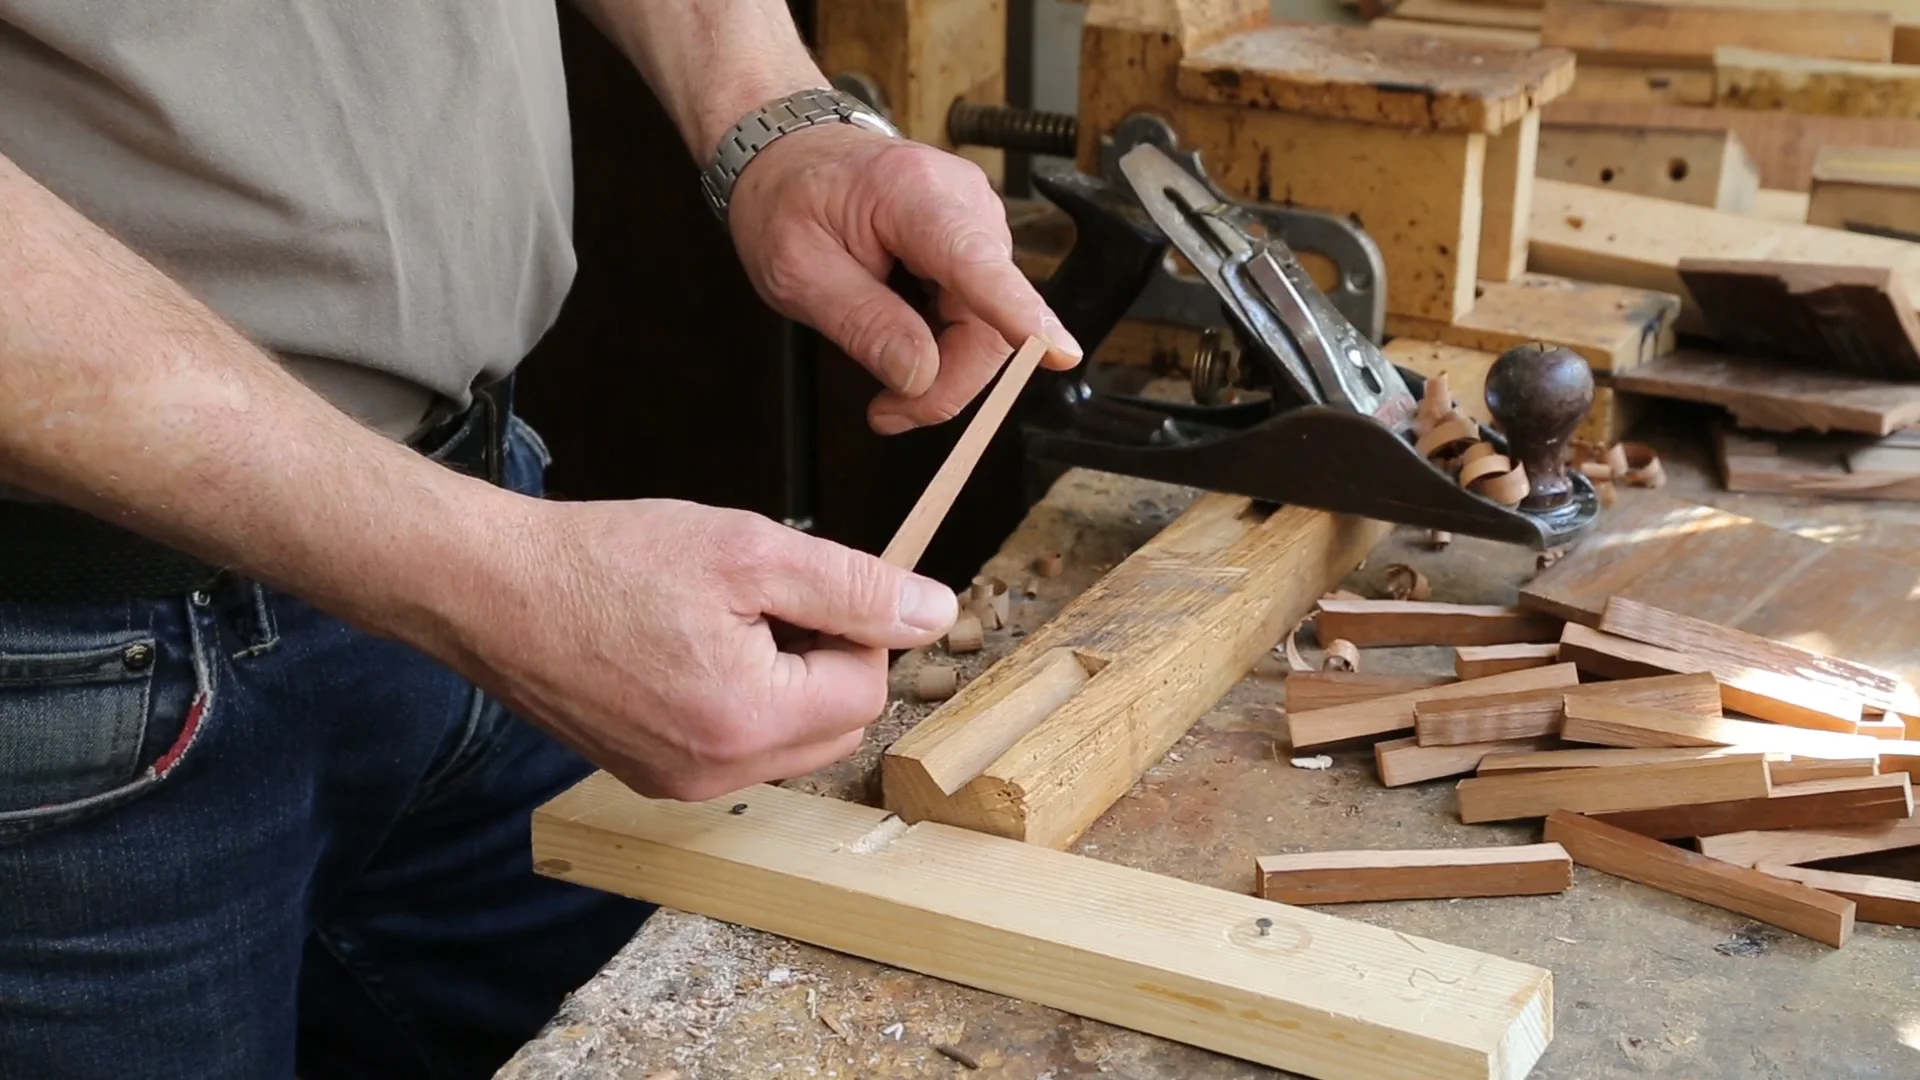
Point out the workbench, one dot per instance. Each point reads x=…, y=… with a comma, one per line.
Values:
x=1645, y=982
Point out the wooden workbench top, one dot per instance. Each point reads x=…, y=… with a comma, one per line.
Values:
x=1645, y=983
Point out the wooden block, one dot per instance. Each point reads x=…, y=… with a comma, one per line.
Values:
x=1621, y=84
x=1785, y=904
x=1890, y=727
x=1169, y=630
x=922, y=54
x=1824, y=466
x=1478, y=661
x=1776, y=396
x=1346, y=877
x=1906, y=43
x=1774, y=81
x=1612, y=236
x=1470, y=35
x=1506, y=196
x=1529, y=713
x=1281, y=986
x=1854, y=319
x=1605, y=724
x=1372, y=623
x=1795, y=846
x=1705, y=168
x=916, y=532
x=1345, y=73
x=1627, y=33
x=1789, y=207
x=1510, y=796
x=1390, y=715
x=1867, y=189
x=1720, y=646
x=1800, y=770
x=1889, y=901
x=1531, y=761
x=1405, y=761
x=1465, y=13
x=1309, y=690
x=1812, y=804
x=1608, y=656
x=1783, y=145
x=1612, y=327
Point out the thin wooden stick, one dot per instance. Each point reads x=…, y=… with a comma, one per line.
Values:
x=907, y=545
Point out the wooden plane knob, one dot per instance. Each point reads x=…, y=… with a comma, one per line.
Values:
x=1538, y=394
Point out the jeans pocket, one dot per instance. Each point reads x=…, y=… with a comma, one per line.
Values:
x=89, y=719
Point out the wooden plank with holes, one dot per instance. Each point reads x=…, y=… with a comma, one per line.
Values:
x=1531, y=713
x=1371, y=623
x=1889, y=901
x=1656, y=36
x=1309, y=690
x=1788, y=905
x=1809, y=804
x=1705, y=168
x=1348, y=877
x=1612, y=327
x=1776, y=396
x=1794, y=846
x=1511, y=796
x=1297, y=991
x=1404, y=761
x=1394, y=714
x=1478, y=661
x=1780, y=82
x=1159, y=639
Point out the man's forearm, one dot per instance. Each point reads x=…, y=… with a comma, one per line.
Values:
x=710, y=61
x=122, y=395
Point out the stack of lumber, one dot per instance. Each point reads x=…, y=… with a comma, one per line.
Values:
x=1651, y=730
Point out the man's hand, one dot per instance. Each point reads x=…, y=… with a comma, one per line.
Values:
x=642, y=633
x=821, y=215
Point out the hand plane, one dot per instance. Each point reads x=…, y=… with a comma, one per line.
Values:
x=1335, y=427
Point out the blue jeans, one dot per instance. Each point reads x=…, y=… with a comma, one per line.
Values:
x=240, y=839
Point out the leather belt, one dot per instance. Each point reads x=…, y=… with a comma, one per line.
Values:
x=50, y=553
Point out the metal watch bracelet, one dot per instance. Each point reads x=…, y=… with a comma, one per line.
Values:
x=759, y=128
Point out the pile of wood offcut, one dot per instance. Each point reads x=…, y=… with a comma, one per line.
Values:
x=1637, y=742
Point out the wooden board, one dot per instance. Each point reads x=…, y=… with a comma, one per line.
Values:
x=1612, y=327
x=1622, y=84
x=1390, y=715
x=1775, y=396
x=1468, y=13
x=1857, y=320
x=1788, y=207
x=1613, y=236
x=1889, y=901
x=1510, y=796
x=1812, y=804
x=1506, y=197
x=1346, y=877
x=1470, y=35
x=1782, y=145
x=1466, y=370
x=1773, y=81
x=1530, y=713
x=1108, y=942
x=1626, y=33
x=1765, y=694
x=1529, y=761
x=1705, y=168
x=1611, y=657
x=1605, y=724
x=1373, y=623
x=1736, y=572
x=1308, y=690
x=1867, y=189
x=1346, y=73
x=1795, y=846
x=1168, y=631
x=1715, y=644
x=1479, y=661
x=1785, y=904
x=1828, y=467
x=1405, y=761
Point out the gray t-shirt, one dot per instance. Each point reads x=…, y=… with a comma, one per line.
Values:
x=377, y=190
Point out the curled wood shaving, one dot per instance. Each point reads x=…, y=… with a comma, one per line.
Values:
x=1296, y=662
x=1406, y=583
x=1506, y=488
x=1485, y=465
x=1342, y=655
x=1616, y=460
x=936, y=682
x=1436, y=403
x=1438, y=539
x=1549, y=557
x=1596, y=470
x=1643, y=466
x=1449, y=435
x=967, y=635
x=1049, y=563
x=1605, y=490
x=1475, y=452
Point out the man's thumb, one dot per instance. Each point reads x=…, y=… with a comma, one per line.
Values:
x=846, y=593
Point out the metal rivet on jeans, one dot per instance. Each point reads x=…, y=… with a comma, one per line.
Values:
x=200, y=598
x=137, y=657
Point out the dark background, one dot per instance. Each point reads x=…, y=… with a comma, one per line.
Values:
x=667, y=377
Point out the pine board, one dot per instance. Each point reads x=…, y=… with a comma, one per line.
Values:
x=1776, y=396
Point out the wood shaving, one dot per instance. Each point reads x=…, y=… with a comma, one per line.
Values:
x=1406, y=583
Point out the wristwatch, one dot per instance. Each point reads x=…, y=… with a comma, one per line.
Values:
x=761, y=127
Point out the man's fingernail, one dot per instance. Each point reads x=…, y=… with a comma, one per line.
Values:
x=891, y=424
x=898, y=362
x=1057, y=336
x=927, y=605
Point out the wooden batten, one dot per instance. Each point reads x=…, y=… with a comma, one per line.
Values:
x=1506, y=199
x=1549, y=760
x=1603, y=724
x=1531, y=713
x=1309, y=690
x=1889, y=901
x=1346, y=877
x=1795, y=846
x=1478, y=661
x=1685, y=36
x=1811, y=804
x=1371, y=623
x=1277, y=985
x=1508, y=797
x=1393, y=714
x=1778, y=396
x=1788, y=905
x=1868, y=189
x=1405, y=761
x=1221, y=584
x=1818, y=466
